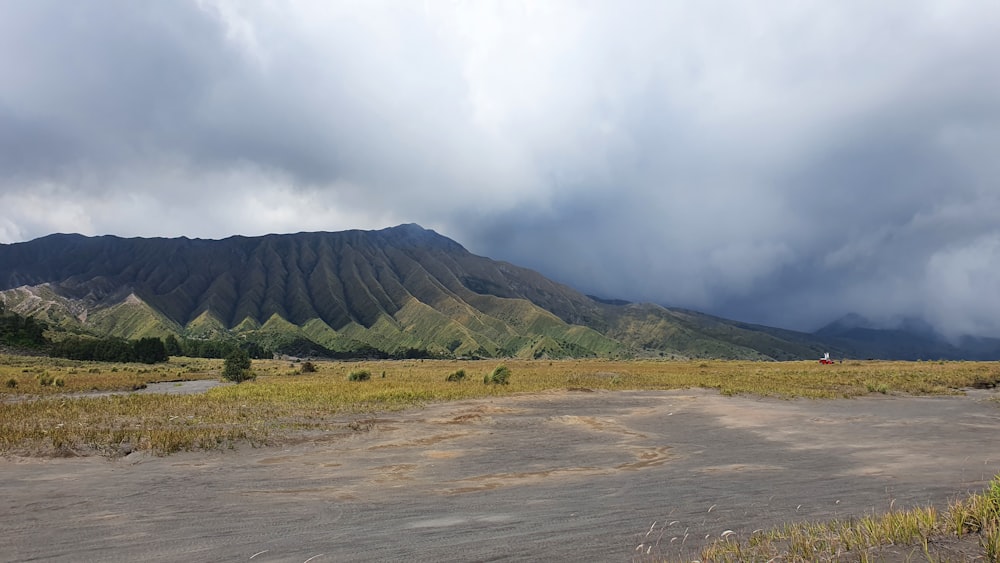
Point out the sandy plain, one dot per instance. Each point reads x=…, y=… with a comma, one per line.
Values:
x=569, y=475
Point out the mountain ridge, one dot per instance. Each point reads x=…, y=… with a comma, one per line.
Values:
x=390, y=289
x=395, y=290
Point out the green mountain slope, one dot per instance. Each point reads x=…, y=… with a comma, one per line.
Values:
x=398, y=291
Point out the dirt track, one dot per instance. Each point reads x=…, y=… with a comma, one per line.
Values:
x=560, y=476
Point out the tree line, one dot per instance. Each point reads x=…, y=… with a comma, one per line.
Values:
x=21, y=332
x=194, y=348
x=17, y=331
x=150, y=350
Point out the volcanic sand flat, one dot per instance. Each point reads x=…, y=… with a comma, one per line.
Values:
x=561, y=475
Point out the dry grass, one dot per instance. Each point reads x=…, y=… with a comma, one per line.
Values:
x=47, y=419
x=40, y=376
x=968, y=530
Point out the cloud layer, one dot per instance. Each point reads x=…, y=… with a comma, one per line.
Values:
x=778, y=162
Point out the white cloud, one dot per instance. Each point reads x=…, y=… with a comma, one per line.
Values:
x=780, y=161
x=962, y=287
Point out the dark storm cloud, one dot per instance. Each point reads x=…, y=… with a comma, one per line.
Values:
x=781, y=162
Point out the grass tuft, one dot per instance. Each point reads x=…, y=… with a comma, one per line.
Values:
x=499, y=376
x=359, y=375
x=863, y=539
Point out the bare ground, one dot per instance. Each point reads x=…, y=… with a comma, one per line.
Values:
x=571, y=475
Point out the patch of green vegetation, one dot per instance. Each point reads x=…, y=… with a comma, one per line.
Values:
x=248, y=324
x=323, y=334
x=20, y=331
x=237, y=367
x=876, y=387
x=131, y=319
x=499, y=376
x=147, y=350
x=359, y=375
x=864, y=539
x=653, y=328
x=206, y=326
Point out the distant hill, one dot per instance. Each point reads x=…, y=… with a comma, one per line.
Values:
x=912, y=340
x=399, y=291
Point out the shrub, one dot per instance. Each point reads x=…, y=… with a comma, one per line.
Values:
x=876, y=387
x=308, y=367
x=12, y=383
x=500, y=376
x=457, y=376
x=237, y=366
x=360, y=375
x=59, y=382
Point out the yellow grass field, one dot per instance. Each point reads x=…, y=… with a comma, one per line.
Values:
x=56, y=407
x=45, y=409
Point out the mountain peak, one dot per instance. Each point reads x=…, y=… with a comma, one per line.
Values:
x=407, y=228
x=414, y=234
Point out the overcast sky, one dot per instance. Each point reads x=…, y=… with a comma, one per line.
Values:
x=782, y=162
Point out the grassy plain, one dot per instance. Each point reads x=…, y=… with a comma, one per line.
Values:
x=47, y=411
x=43, y=411
x=42, y=376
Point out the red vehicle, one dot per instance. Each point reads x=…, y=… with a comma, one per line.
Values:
x=825, y=360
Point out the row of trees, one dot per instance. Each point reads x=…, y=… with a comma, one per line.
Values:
x=149, y=350
x=25, y=332
x=21, y=332
x=211, y=348
x=145, y=350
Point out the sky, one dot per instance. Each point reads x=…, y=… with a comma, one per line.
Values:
x=778, y=162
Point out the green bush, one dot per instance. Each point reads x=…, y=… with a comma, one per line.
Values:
x=237, y=366
x=457, y=376
x=12, y=383
x=500, y=376
x=308, y=367
x=360, y=375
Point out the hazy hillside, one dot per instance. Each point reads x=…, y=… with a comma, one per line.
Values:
x=402, y=290
x=911, y=340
